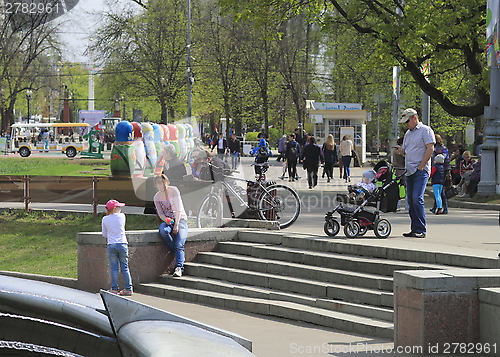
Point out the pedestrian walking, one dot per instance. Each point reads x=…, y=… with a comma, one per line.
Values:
x=418, y=146
x=222, y=146
x=113, y=229
x=346, y=147
x=330, y=155
x=234, y=151
x=292, y=154
x=312, y=156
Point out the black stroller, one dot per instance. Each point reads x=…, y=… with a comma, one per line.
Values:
x=357, y=220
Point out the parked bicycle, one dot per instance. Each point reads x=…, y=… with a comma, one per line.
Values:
x=269, y=201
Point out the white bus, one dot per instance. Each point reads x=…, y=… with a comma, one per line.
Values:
x=48, y=137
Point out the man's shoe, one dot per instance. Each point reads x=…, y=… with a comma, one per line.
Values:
x=414, y=235
x=439, y=211
x=177, y=272
x=433, y=210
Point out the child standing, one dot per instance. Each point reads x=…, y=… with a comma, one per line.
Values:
x=438, y=177
x=113, y=229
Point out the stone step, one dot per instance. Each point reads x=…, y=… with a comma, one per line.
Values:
x=289, y=310
x=427, y=255
x=302, y=286
x=238, y=290
x=298, y=270
x=354, y=263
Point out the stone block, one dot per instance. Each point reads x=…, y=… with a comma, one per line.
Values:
x=148, y=255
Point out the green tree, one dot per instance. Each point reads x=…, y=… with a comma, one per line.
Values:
x=409, y=36
x=144, y=52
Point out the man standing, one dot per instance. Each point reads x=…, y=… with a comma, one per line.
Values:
x=221, y=146
x=170, y=165
x=417, y=148
x=292, y=154
x=234, y=150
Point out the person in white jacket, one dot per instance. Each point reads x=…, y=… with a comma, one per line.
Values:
x=113, y=229
x=346, y=147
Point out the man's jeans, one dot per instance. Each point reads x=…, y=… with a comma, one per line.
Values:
x=234, y=160
x=118, y=254
x=415, y=188
x=175, y=242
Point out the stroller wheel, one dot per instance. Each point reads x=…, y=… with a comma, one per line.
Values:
x=351, y=229
x=331, y=227
x=362, y=231
x=382, y=228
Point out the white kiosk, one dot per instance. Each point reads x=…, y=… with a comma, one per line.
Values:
x=340, y=119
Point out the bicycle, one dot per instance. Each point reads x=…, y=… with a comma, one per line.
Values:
x=274, y=202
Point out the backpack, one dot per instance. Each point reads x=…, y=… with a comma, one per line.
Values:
x=262, y=155
x=293, y=153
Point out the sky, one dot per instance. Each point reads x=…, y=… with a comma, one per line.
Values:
x=76, y=27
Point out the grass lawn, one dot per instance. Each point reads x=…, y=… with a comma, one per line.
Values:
x=54, y=167
x=45, y=242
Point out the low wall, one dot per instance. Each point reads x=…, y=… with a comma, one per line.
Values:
x=439, y=311
x=489, y=320
x=148, y=255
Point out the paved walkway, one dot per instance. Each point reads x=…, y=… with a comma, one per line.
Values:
x=464, y=231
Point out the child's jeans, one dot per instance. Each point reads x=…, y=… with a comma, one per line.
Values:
x=176, y=242
x=118, y=255
x=438, y=190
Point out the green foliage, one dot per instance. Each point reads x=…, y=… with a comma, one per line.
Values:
x=252, y=135
x=274, y=136
x=45, y=242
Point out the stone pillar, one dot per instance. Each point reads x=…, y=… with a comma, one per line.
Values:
x=434, y=309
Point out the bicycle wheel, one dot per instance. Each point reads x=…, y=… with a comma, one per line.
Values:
x=210, y=212
x=280, y=203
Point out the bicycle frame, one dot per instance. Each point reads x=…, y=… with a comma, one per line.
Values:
x=229, y=188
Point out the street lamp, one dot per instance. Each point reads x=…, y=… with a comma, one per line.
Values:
x=29, y=93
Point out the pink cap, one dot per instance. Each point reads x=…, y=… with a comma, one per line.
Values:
x=113, y=203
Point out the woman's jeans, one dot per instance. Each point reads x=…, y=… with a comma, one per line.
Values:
x=175, y=242
x=415, y=188
x=329, y=169
x=118, y=254
x=346, y=163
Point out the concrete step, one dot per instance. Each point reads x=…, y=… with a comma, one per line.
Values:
x=313, y=288
x=239, y=290
x=298, y=270
x=289, y=310
x=353, y=263
x=427, y=255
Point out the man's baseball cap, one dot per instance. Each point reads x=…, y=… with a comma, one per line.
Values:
x=113, y=204
x=407, y=114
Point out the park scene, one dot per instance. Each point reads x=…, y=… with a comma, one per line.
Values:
x=230, y=178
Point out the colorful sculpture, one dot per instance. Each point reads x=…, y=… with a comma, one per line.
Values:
x=173, y=138
x=123, y=153
x=149, y=147
x=140, y=153
x=181, y=138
